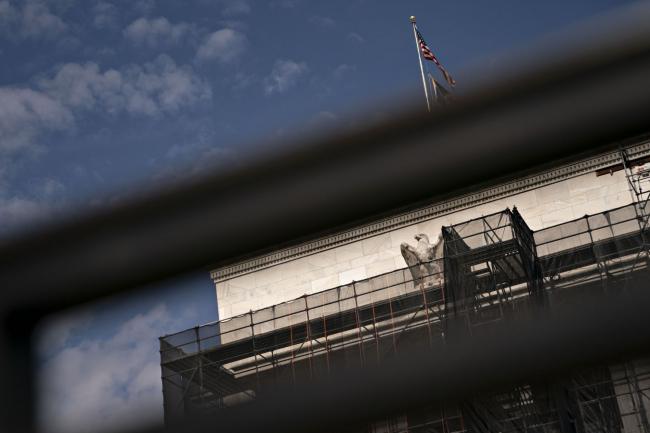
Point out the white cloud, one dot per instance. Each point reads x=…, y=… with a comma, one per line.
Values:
x=38, y=21
x=193, y=158
x=100, y=384
x=284, y=75
x=33, y=20
x=356, y=37
x=155, y=31
x=224, y=45
x=324, y=118
x=16, y=212
x=80, y=86
x=151, y=89
x=168, y=86
x=41, y=200
x=50, y=188
x=55, y=334
x=343, y=69
x=25, y=113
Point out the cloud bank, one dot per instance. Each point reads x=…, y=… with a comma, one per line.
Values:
x=284, y=75
x=224, y=45
x=55, y=103
x=32, y=19
x=24, y=113
x=153, y=32
x=101, y=384
x=153, y=89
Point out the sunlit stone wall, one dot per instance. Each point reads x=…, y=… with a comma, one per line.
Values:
x=543, y=207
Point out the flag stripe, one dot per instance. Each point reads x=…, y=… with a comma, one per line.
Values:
x=428, y=54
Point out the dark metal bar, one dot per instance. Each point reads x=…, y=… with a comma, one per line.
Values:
x=595, y=96
x=593, y=331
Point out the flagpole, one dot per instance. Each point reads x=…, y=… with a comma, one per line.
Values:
x=417, y=47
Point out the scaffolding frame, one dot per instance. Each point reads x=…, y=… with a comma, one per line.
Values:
x=361, y=323
x=637, y=174
x=493, y=263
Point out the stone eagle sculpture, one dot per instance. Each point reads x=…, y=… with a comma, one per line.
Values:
x=421, y=259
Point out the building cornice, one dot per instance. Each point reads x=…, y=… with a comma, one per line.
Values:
x=428, y=212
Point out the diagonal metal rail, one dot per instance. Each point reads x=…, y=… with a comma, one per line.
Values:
x=598, y=94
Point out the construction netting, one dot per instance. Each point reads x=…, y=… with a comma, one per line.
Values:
x=494, y=268
x=361, y=323
x=604, y=247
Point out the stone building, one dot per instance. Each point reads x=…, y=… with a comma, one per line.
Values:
x=350, y=298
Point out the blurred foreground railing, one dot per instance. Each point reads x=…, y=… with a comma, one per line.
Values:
x=598, y=95
x=491, y=273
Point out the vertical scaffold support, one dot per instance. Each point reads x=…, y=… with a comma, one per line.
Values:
x=636, y=179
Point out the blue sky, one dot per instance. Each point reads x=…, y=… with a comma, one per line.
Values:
x=101, y=98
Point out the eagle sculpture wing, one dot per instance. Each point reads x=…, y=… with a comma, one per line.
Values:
x=411, y=259
x=439, y=248
x=437, y=266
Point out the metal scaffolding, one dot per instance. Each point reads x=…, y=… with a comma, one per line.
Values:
x=492, y=271
x=361, y=323
x=495, y=269
x=637, y=173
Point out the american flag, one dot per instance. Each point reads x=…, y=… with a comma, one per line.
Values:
x=428, y=54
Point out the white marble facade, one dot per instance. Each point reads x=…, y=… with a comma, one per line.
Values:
x=543, y=207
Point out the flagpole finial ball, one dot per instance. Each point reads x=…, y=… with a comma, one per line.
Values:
x=412, y=18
